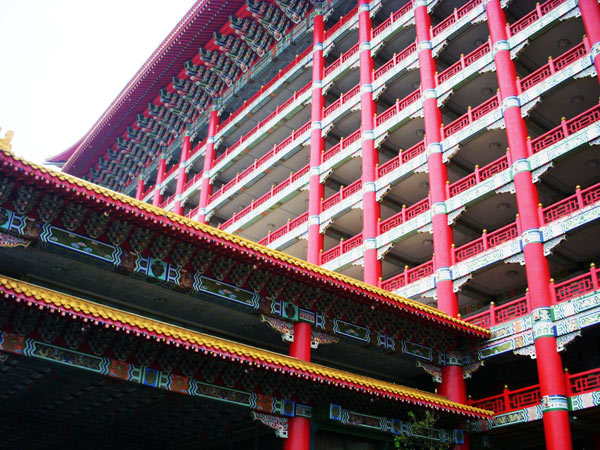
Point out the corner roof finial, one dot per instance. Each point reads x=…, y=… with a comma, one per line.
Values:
x=5, y=141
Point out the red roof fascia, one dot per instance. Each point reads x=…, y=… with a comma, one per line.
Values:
x=192, y=32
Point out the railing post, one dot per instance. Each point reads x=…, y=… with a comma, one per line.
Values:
x=565, y=128
x=594, y=273
x=477, y=173
x=586, y=44
x=551, y=65
x=528, y=299
x=484, y=239
x=538, y=9
x=470, y=114
x=403, y=213
x=540, y=211
x=568, y=383
x=462, y=61
x=529, y=146
x=506, y=398
x=453, y=253
x=492, y=314
x=553, y=292
x=579, y=196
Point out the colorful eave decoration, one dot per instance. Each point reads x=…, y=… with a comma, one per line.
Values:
x=101, y=315
x=161, y=220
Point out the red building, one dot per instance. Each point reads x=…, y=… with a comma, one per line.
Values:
x=444, y=151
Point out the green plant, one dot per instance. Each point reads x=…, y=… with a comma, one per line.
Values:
x=423, y=426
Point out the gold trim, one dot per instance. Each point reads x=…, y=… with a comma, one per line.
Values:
x=79, y=305
x=5, y=144
x=247, y=243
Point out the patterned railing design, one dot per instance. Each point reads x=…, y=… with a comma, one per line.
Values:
x=560, y=292
x=455, y=16
x=511, y=400
x=291, y=224
x=579, y=200
x=471, y=116
x=341, y=248
x=342, y=194
x=565, y=129
x=263, y=199
x=404, y=215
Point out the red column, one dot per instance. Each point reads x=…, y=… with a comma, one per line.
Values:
x=549, y=365
x=299, y=427
x=453, y=384
x=315, y=190
x=590, y=14
x=160, y=177
x=182, y=175
x=209, y=159
x=370, y=158
x=139, y=191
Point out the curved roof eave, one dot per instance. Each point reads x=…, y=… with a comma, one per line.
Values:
x=160, y=218
x=193, y=31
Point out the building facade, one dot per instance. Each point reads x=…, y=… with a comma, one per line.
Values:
x=445, y=151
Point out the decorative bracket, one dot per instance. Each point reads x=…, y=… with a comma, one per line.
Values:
x=286, y=329
x=430, y=369
x=287, y=332
x=279, y=424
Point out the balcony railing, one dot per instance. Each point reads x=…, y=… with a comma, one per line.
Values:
x=291, y=224
x=581, y=199
x=263, y=199
x=455, y=16
x=457, y=125
x=342, y=194
x=565, y=129
x=511, y=400
x=341, y=248
x=567, y=290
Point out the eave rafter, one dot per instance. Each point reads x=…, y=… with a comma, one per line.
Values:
x=237, y=45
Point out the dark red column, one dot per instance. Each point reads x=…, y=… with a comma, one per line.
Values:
x=209, y=159
x=139, y=191
x=453, y=384
x=315, y=190
x=182, y=174
x=590, y=14
x=370, y=158
x=549, y=364
x=160, y=177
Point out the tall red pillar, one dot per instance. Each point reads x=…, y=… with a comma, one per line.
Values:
x=160, y=177
x=182, y=174
x=549, y=364
x=370, y=158
x=590, y=14
x=139, y=190
x=209, y=159
x=315, y=190
x=299, y=427
x=453, y=384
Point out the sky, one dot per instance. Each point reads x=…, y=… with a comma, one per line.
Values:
x=62, y=62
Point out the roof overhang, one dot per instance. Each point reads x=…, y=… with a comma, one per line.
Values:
x=194, y=30
x=121, y=206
